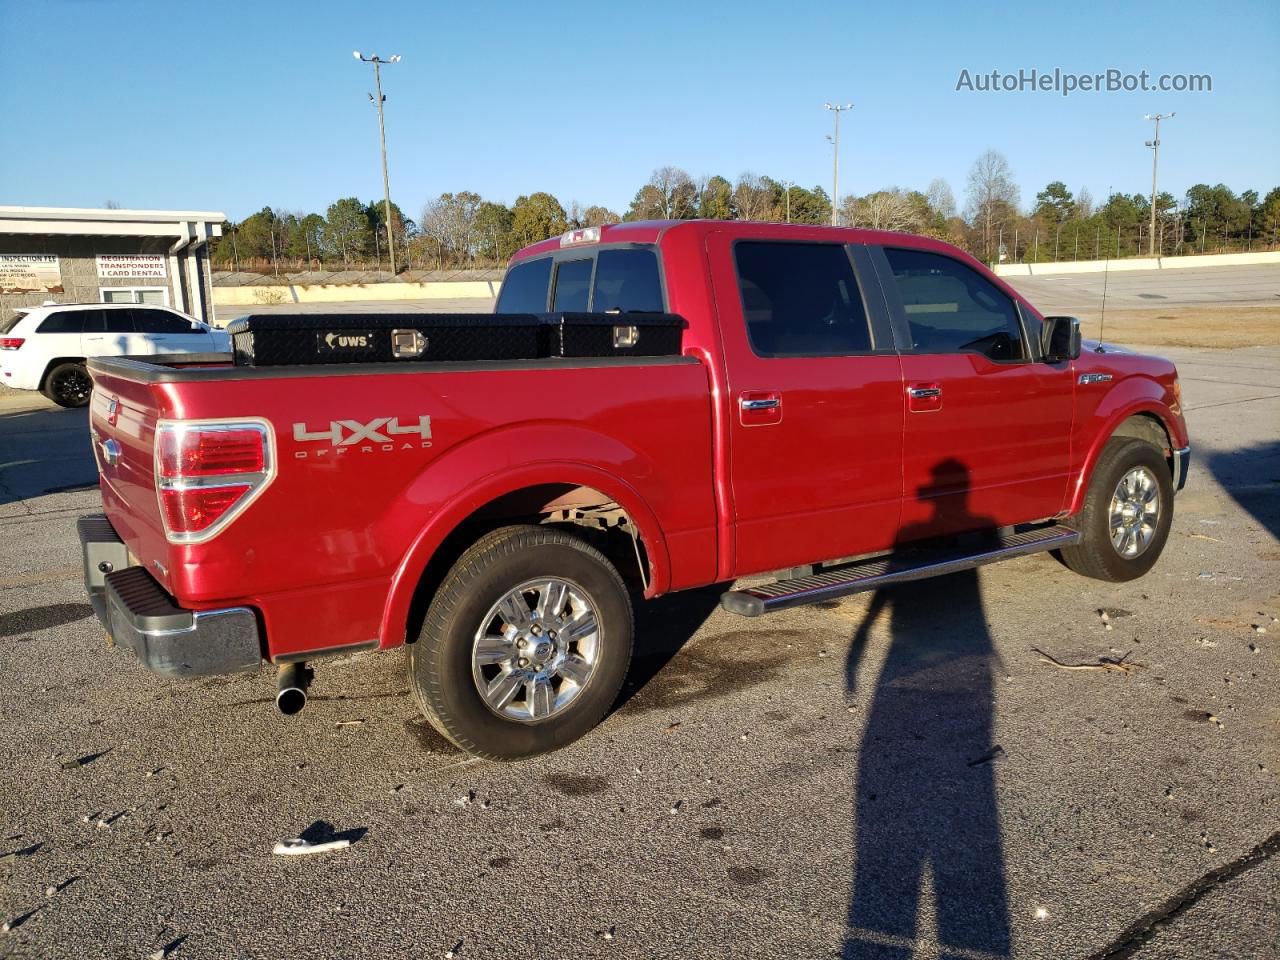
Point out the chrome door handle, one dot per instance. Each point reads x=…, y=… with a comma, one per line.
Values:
x=924, y=393
x=769, y=403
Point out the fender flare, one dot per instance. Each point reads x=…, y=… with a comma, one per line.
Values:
x=484, y=490
x=1141, y=405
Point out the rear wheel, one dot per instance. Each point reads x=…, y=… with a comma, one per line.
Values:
x=1127, y=513
x=525, y=644
x=68, y=385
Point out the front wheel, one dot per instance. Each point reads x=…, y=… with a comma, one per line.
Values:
x=1127, y=513
x=525, y=644
x=68, y=385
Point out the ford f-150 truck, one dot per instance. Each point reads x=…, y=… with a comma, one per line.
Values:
x=849, y=409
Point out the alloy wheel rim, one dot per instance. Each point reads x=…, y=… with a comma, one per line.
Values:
x=74, y=386
x=536, y=649
x=1135, y=513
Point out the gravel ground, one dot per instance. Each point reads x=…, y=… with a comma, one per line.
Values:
x=879, y=777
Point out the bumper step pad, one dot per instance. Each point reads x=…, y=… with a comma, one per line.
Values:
x=880, y=572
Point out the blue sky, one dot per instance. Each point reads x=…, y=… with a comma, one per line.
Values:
x=233, y=106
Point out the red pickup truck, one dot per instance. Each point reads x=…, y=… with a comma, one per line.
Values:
x=850, y=409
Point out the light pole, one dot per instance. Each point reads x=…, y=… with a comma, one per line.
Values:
x=788, y=184
x=837, y=109
x=382, y=143
x=1154, y=144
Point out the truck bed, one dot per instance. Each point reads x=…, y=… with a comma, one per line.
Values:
x=331, y=543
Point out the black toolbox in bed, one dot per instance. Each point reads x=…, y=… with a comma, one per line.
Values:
x=272, y=340
x=614, y=334
x=300, y=339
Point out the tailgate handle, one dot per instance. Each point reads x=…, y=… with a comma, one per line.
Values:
x=110, y=452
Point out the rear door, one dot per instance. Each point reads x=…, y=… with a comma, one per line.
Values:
x=988, y=425
x=816, y=401
x=109, y=332
x=168, y=332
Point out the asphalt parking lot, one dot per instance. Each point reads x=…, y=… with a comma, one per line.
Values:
x=882, y=777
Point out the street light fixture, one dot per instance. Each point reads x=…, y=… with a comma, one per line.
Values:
x=837, y=109
x=382, y=143
x=1154, y=144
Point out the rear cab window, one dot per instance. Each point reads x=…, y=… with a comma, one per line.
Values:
x=524, y=288
x=606, y=280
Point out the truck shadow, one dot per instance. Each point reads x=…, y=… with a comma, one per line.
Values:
x=1252, y=477
x=925, y=800
x=45, y=451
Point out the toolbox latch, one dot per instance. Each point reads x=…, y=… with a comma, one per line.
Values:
x=407, y=344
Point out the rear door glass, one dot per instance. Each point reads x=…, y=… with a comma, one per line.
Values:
x=63, y=321
x=627, y=280
x=118, y=321
x=524, y=288
x=801, y=300
x=573, y=286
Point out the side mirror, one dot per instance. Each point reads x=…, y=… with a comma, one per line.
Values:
x=1060, y=339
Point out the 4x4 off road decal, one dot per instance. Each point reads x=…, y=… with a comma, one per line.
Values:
x=381, y=435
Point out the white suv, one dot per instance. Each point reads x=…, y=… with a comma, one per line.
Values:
x=44, y=348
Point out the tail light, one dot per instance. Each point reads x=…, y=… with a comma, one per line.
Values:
x=209, y=471
x=11, y=343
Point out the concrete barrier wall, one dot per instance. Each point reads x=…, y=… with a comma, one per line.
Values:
x=1138, y=263
x=345, y=293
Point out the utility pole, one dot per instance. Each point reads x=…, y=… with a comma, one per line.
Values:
x=1154, y=144
x=788, y=185
x=382, y=143
x=837, y=109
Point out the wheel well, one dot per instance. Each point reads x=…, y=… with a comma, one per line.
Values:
x=1148, y=427
x=56, y=361
x=592, y=515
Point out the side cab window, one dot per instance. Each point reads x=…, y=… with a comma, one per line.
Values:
x=951, y=308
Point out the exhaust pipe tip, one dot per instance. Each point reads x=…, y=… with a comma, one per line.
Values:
x=291, y=700
x=292, y=681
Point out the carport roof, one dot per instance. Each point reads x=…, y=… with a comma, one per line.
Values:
x=195, y=224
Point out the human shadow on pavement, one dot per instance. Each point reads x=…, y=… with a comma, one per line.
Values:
x=1252, y=477
x=925, y=798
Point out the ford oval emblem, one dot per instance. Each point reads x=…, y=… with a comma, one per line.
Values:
x=113, y=410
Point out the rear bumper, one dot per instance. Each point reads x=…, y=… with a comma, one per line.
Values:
x=1181, y=464
x=142, y=617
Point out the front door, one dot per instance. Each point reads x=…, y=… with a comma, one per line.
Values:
x=988, y=426
x=816, y=403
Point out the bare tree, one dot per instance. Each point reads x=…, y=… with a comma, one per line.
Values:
x=992, y=195
x=753, y=198
x=1084, y=203
x=450, y=222
x=941, y=199
x=889, y=209
x=677, y=192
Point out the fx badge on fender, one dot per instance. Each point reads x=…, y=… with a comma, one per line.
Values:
x=1088, y=378
x=380, y=435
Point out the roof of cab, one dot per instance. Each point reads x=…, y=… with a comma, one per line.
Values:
x=651, y=231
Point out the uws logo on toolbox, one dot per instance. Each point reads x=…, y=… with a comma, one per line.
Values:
x=380, y=435
x=337, y=341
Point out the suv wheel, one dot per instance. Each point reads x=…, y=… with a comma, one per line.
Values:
x=1127, y=513
x=68, y=385
x=525, y=645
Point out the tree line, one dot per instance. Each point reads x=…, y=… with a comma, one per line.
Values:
x=463, y=230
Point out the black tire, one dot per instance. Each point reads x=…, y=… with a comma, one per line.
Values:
x=440, y=662
x=68, y=385
x=1096, y=555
